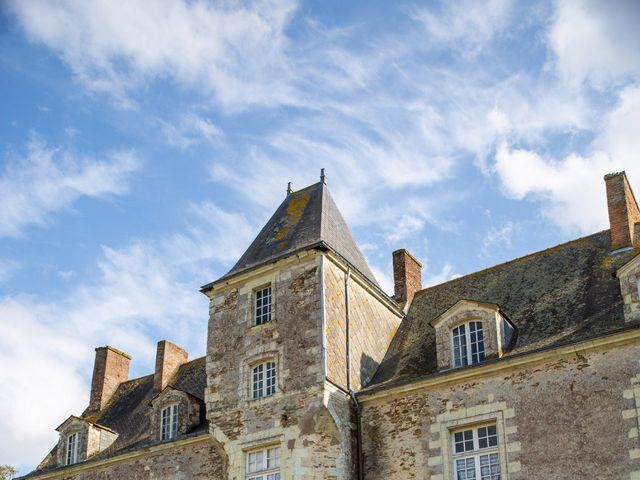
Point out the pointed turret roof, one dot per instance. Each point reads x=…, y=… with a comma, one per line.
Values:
x=306, y=219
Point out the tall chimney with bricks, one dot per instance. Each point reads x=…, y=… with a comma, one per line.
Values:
x=111, y=368
x=407, y=276
x=169, y=357
x=624, y=215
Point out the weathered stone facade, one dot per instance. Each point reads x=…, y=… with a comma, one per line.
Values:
x=338, y=381
x=563, y=416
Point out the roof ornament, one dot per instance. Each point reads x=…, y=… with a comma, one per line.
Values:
x=323, y=177
x=289, y=190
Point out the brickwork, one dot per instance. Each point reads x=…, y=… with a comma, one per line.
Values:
x=194, y=461
x=372, y=326
x=566, y=418
x=623, y=210
x=169, y=357
x=407, y=276
x=111, y=368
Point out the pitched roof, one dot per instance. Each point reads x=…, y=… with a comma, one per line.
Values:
x=127, y=413
x=559, y=295
x=305, y=219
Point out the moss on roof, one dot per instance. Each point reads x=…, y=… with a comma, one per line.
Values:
x=562, y=294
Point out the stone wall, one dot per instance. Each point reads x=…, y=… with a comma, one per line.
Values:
x=179, y=462
x=372, y=326
x=306, y=418
x=571, y=417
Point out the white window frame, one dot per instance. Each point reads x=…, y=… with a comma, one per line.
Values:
x=263, y=305
x=169, y=422
x=474, y=456
x=263, y=379
x=72, y=445
x=263, y=464
x=467, y=345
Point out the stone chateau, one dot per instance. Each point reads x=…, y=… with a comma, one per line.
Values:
x=526, y=370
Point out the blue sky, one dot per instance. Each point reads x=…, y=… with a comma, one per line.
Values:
x=143, y=146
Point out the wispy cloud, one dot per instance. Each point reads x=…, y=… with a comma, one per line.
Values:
x=191, y=130
x=46, y=180
x=497, y=237
x=234, y=52
x=138, y=294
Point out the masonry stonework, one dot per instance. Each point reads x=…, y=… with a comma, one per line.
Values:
x=584, y=417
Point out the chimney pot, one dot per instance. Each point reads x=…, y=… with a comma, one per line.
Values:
x=110, y=369
x=169, y=357
x=623, y=210
x=407, y=276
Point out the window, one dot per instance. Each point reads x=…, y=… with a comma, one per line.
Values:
x=263, y=305
x=263, y=380
x=468, y=344
x=476, y=454
x=263, y=464
x=169, y=422
x=73, y=446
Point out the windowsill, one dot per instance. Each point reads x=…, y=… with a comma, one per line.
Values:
x=263, y=400
x=263, y=326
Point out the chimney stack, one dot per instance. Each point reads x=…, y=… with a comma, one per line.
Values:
x=110, y=369
x=623, y=210
x=169, y=357
x=407, y=276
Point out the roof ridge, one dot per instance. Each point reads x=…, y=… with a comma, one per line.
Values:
x=513, y=260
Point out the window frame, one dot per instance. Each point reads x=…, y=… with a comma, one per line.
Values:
x=266, y=385
x=262, y=317
x=477, y=453
x=172, y=422
x=72, y=455
x=266, y=470
x=468, y=343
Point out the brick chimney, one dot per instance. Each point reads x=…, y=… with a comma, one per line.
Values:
x=169, y=357
x=623, y=210
x=110, y=369
x=407, y=276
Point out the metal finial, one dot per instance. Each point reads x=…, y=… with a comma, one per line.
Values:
x=323, y=177
x=289, y=190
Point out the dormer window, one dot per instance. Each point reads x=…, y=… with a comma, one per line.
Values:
x=169, y=422
x=470, y=332
x=263, y=380
x=468, y=344
x=73, y=448
x=263, y=305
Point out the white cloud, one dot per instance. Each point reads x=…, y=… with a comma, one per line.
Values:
x=596, y=42
x=189, y=131
x=47, y=180
x=232, y=51
x=139, y=294
x=572, y=188
x=466, y=25
x=446, y=273
x=497, y=238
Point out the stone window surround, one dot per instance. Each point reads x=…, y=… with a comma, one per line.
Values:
x=168, y=397
x=465, y=311
x=250, y=288
x=464, y=418
x=629, y=278
x=246, y=374
x=82, y=431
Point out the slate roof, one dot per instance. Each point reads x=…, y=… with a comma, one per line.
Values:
x=305, y=219
x=128, y=412
x=559, y=295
